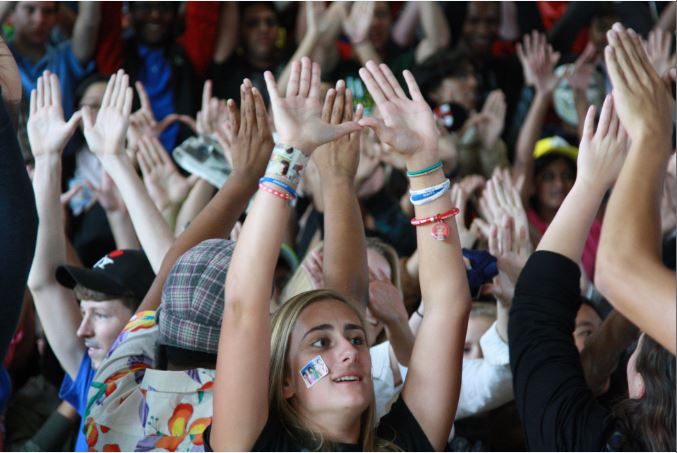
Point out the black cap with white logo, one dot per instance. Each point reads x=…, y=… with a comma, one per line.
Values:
x=121, y=273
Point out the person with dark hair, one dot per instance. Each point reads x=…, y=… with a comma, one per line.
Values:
x=557, y=408
x=71, y=60
x=108, y=293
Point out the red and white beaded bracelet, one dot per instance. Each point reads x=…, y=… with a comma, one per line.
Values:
x=277, y=193
x=440, y=230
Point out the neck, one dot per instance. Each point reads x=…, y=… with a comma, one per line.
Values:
x=336, y=427
x=27, y=49
x=547, y=214
x=261, y=62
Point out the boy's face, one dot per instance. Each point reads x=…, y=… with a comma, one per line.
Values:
x=153, y=22
x=101, y=324
x=33, y=21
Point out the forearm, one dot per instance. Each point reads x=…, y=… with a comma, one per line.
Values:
x=435, y=30
x=86, y=30
x=228, y=31
x=528, y=136
x=569, y=229
x=365, y=51
x=404, y=30
x=216, y=220
x=50, y=249
x=345, y=249
x=401, y=340
x=603, y=349
x=304, y=49
x=152, y=230
x=197, y=199
x=667, y=20
x=123, y=230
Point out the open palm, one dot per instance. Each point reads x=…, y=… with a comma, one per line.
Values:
x=408, y=125
x=47, y=130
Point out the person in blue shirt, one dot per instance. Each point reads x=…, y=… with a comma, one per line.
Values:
x=109, y=292
x=71, y=60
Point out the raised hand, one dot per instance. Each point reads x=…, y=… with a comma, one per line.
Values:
x=249, y=133
x=583, y=69
x=165, y=185
x=385, y=301
x=602, y=151
x=538, y=62
x=493, y=113
x=408, y=125
x=212, y=119
x=642, y=99
x=356, y=24
x=312, y=264
x=105, y=132
x=107, y=194
x=658, y=50
x=48, y=133
x=512, y=248
x=339, y=157
x=297, y=115
x=142, y=123
x=459, y=198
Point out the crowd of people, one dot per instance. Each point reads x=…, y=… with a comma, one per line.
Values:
x=292, y=226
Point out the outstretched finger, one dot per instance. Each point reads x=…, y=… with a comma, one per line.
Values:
x=260, y=111
x=414, y=91
x=233, y=117
x=390, y=77
x=315, y=81
x=55, y=90
x=306, y=76
x=33, y=102
x=348, y=106
x=372, y=86
x=144, y=164
x=605, y=117
x=122, y=94
x=339, y=103
x=41, y=92
x=328, y=105
x=105, y=102
x=143, y=96
x=380, y=78
x=494, y=243
x=112, y=102
x=589, y=124
x=507, y=235
x=271, y=86
x=616, y=75
x=206, y=95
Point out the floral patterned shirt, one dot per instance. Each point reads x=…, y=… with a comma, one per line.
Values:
x=134, y=407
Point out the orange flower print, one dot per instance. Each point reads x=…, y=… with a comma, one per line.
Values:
x=179, y=428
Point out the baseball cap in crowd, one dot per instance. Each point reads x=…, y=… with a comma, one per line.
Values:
x=555, y=145
x=191, y=310
x=120, y=273
x=563, y=97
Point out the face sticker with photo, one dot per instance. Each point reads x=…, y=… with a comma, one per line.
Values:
x=313, y=371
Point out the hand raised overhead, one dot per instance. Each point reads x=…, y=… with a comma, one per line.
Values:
x=48, y=133
x=105, y=132
x=297, y=115
x=408, y=125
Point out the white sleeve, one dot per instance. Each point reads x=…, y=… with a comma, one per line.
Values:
x=486, y=383
x=384, y=383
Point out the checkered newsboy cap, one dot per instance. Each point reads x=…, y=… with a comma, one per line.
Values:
x=191, y=311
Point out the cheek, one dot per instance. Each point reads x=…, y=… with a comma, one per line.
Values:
x=108, y=330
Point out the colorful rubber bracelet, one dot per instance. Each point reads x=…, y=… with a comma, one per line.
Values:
x=280, y=184
x=429, y=198
x=425, y=171
x=436, y=218
x=278, y=194
x=430, y=190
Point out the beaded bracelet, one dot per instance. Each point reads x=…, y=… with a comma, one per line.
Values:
x=440, y=230
x=425, y=171
x=278, y=194
x=280, y=184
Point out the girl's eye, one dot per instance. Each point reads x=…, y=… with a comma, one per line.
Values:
x=320, y=343
x=357, y=341
x=101, y=316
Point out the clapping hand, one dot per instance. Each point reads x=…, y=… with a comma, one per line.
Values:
x=48, y=133
x=538, y=62
x=249, y=135
x=105, y=132
x=339, y=157
x=408, y=125
x=298, y=115
x=602, y=151
x=166, y=186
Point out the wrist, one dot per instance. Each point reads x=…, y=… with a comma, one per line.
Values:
x=48, y=158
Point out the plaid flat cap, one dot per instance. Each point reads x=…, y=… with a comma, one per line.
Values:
x=191, y=311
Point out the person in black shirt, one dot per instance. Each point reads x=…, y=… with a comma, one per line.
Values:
x=261, y=398
x=558, y=410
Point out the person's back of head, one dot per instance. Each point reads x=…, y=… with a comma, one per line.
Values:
x=646, y=421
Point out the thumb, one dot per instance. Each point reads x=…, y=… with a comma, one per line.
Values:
x=383, y=132
x=167, y=121
x=192, y=179
x=87, y=118
x=339, y=130
x=74, y=121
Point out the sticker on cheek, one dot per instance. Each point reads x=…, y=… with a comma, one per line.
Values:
x=313, y=371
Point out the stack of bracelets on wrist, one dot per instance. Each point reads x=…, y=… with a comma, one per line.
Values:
x=429, y=194
x=284, y=171
x=425, y=171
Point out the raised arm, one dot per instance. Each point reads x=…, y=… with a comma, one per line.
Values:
x=434, y=379
x=629, y=270
x=86, y=30
x=226, y=40
x=345, y=249
x=436, y=33
x=307, y=45
x=246, y=319
x=17, y=205
x=538, y=62
x=251, y=142
x=356, y=25
x=105, y=136
x=56, y=305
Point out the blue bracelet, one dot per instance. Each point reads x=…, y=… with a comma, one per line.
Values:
x=280, y=184
x=423, y=196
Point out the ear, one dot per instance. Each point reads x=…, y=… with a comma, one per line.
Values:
x=288, y=388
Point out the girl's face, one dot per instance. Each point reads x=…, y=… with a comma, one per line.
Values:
x=553, y=183
x=461, y=89
x=330, y=329
x=93, y=97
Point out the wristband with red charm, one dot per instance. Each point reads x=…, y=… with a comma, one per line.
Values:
x=440, y=229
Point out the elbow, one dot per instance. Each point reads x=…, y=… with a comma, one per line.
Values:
x=613, y=269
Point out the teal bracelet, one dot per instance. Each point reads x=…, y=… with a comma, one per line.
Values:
x=425, y=171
